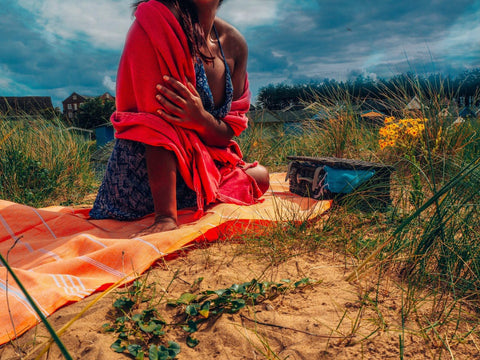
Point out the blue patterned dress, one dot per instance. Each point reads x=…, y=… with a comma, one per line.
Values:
x=125, y=191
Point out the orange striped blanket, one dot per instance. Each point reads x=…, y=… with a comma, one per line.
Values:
x=62, y=256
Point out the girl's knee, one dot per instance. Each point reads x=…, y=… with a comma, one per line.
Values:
x=261, y=176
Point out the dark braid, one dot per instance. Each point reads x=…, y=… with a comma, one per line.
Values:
x=188, y=19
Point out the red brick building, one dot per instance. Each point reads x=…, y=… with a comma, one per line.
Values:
x=71, y=105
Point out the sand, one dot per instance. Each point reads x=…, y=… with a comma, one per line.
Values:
x=332, y=319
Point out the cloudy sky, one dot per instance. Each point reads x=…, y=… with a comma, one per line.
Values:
x=55, y=47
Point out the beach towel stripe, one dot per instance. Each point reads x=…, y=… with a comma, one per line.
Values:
x=18, y=294
x=149, y=244
x=51, y=254
x=102, y=266
x=13, y=236
x=94, y=240
x=26, y=244
x=7, y=227
x=44, y=222
x=80, y=285
x=70, y=289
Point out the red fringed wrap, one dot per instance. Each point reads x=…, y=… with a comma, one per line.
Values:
x=156, y=46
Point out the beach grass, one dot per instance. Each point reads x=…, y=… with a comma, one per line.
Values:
x=42, y=163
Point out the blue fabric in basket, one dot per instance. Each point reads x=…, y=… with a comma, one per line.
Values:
x=344, y=181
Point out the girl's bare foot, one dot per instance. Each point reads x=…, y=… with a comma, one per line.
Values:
x=161, y=224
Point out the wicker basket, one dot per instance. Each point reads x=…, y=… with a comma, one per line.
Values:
x=306, y=176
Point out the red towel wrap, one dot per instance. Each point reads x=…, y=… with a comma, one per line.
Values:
x=156, y=45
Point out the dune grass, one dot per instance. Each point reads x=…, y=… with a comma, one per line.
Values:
x=42, y=163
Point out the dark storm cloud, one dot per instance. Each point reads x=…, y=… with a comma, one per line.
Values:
x=46, y=54
x=337, y=39
x=32, y=65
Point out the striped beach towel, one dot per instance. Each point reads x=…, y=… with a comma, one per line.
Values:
x=61, y=256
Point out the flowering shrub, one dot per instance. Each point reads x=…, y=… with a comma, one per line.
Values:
x=403, y=134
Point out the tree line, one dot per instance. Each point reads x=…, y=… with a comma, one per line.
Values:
x=465, y=85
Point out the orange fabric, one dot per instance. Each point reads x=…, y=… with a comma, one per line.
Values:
x=61, y=256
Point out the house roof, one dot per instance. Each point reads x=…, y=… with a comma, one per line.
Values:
x=74, y=128
x=372, y=113
x=107, y=95
x=466, y=112
x=414, y=104
x=83, y=97
x=25, y=105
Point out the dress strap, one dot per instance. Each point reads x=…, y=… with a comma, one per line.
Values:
x=204, y=89
x=220, y=45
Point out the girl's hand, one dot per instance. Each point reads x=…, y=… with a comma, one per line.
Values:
x=181, y=105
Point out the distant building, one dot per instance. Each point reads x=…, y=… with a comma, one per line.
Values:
x=17, y=107
x=71, y=105
x=104, y=134
x=414, y=108
x=288, y=120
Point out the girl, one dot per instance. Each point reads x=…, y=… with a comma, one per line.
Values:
x=174, y=148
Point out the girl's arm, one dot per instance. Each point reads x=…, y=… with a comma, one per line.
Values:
x=183, y=107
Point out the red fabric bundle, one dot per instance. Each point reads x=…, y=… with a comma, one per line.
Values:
x=156, y=45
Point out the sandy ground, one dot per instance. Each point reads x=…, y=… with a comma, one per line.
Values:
x=332, y=319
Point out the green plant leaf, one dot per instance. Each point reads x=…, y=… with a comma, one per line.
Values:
x=221, y=292
x=162, y=353
x=137, y=318
x=237, y=304
x=205, y=309
x=117, y=346
x=150, y=327
x=304, y=281
x=192, y=342
x=254, y=296
x=192, y=309
x=234, y=288
x=186, y=298
x=222, y=300
x=134, y=349
x=191, y=326
x=153, y=352
x=158, y=330
x=173, y=348
x=123, y=303
x=120, y=320
x=107, y=327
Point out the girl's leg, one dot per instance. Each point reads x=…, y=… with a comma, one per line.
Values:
x=261, y=176
x=162, y=176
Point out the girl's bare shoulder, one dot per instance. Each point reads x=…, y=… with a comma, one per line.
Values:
x=232, y=40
